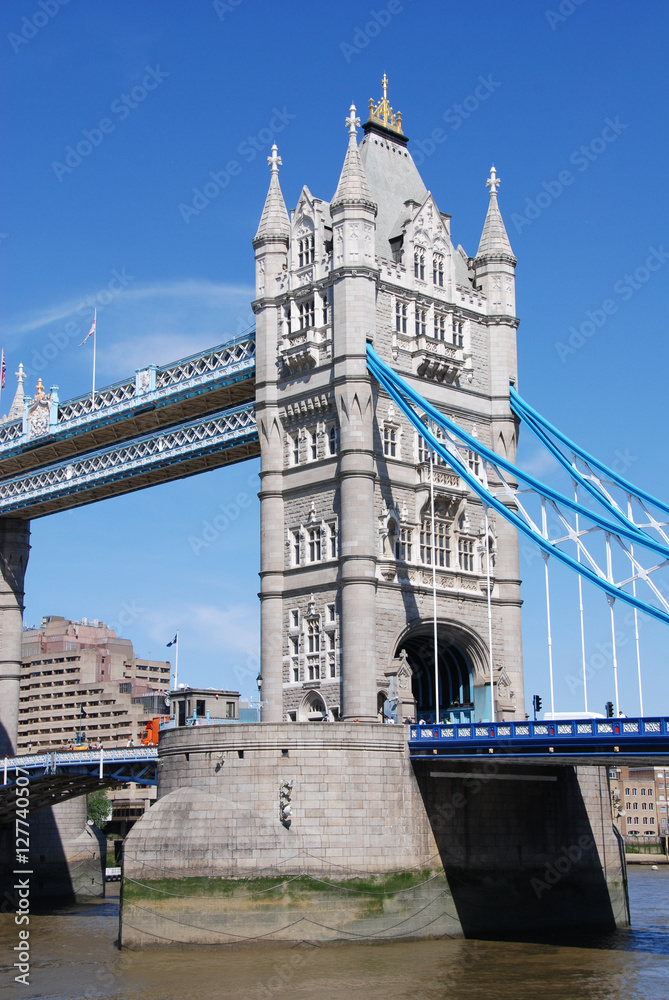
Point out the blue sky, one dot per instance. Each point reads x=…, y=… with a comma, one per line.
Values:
x=567, y=99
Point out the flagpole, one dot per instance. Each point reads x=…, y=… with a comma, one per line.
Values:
x=95, y=337
x=176, y=663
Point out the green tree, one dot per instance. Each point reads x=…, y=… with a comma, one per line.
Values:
x=98, y=807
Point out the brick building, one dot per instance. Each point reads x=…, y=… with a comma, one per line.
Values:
x=639, y=797
x=81, y=677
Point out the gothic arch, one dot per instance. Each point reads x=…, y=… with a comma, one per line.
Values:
x=462, y=661
x=312, y=706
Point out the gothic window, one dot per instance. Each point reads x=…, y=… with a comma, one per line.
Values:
x=403, y=545
x=296, y=674
x=424, y=449
x=295, y=618
x=307, y=319
x=333, y=667
x=295, y=543
x=314, y=545
x=332, y=439
x=313, y=447
x=474, y=463
x=439, y=326
x=331, y=640
x=389, y=441
x=466, y=554
x=313, y=636
x=458, y=332
x=326, y=308
x=437, y=542
x=295, y=449
x=330, y=611
x=295, y=645
x=401, y=317
x=332, y=542
x=419, y=263
x=438, y=270
x=306, y=251
x=421, y=322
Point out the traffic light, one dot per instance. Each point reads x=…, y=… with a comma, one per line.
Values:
x=285, y=808
x=609, y=709
x=536, y=704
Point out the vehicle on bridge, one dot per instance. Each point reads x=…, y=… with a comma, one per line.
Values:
x=150, y=735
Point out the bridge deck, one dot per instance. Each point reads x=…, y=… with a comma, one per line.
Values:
x=635, y=742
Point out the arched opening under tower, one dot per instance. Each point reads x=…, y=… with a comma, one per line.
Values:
x=456, y=676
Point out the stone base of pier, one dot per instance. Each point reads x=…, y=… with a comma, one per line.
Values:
x=376, y=847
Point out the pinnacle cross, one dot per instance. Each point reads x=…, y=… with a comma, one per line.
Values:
x=493, y=181
x=20, y=374
x=274, y=161
x=385, y=87
x=352, y=122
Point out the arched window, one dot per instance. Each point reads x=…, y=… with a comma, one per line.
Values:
x=419, y=263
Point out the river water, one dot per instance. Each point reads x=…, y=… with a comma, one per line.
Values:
x=74, y=957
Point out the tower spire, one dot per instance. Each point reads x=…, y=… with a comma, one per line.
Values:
x=274, y=222
x=494, y=239
x=353, y=187
x=19, y=403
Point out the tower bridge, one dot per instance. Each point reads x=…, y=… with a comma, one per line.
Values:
x=376, y=390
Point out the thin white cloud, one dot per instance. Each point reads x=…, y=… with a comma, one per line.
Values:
x=207, y=293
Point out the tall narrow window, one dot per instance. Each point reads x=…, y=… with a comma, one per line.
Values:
x=419, y=263
x=438, y=270
x=403, y=545
x=296, y=548
x=307, y=314
x=314, y=446
x=326, y=309
x=314, y=545
x=466, y=554
x=389, y=441
x=474, y=462
x=421, y=322
x=426, y=543
x=330, y=609
x=458, y=333
x=313, y=636
x=306, y=251
x=295, y=448
x=401, y=317
x=442, y=544
x=332, y=540
x=439, y=326
x=332, y=440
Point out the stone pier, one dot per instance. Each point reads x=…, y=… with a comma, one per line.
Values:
x=374, y=848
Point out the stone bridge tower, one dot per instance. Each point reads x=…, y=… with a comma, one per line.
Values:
x=348, y=541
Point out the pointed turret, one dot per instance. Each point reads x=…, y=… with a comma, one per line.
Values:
x=494, y=262
x=19, y=404
x=353, y=187
x=274, y=221
x=494, y=239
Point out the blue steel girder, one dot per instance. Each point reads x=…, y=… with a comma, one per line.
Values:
x=59, y=775
x=208, y=442
x=216, y=379
x=565, y=741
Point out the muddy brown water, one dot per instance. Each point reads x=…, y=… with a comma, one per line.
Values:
x=73, y=956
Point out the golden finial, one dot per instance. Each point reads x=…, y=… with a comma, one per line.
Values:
x=383, y=113
x=40, y=395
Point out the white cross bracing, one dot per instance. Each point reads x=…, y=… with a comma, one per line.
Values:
x=190, y=373
x=166, y=447
x=602, y=545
